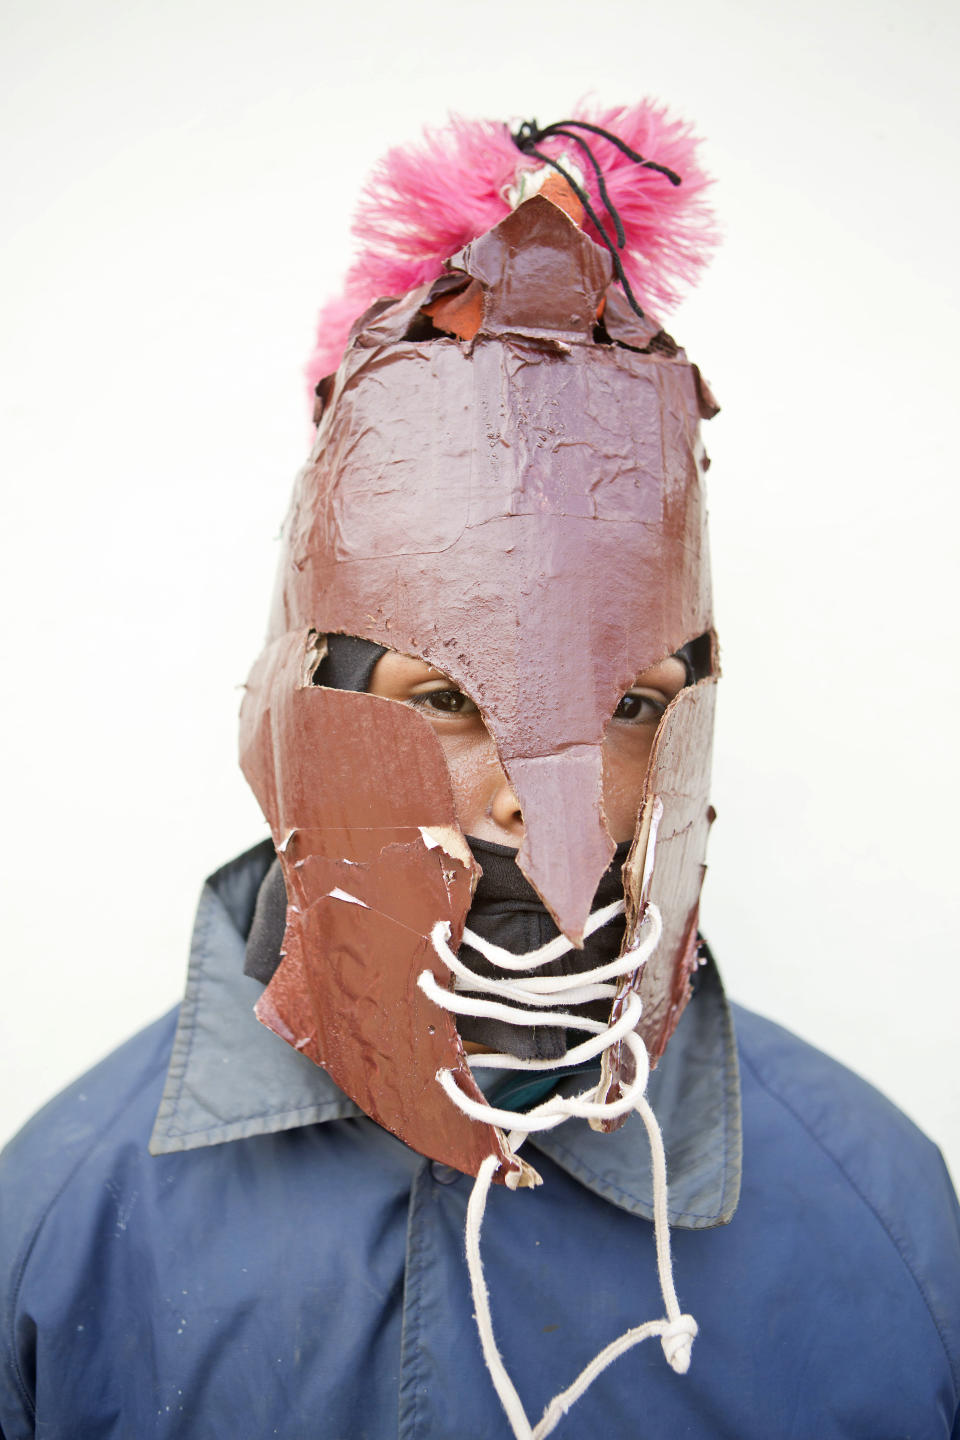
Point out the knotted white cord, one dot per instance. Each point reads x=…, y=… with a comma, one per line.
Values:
x=676, y=1330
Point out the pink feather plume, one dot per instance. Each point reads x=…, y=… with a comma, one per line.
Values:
x=424, y=202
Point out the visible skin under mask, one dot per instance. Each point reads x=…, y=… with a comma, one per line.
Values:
x=486, y=804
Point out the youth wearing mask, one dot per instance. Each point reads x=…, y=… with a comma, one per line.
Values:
x=491, y=650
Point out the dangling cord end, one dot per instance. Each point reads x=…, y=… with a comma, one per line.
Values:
x=503, y=1385
x=677, y=1341
x=678, y=1335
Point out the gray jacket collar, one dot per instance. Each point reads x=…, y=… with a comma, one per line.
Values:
x=230, y=1078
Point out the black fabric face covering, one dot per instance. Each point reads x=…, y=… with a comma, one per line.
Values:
x=348, y=663
x=266, y=931
x=506, y=910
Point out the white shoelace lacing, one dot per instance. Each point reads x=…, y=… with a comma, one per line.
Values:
x=676, y=1330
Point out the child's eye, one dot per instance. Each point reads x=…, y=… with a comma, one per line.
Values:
x=445, y=702
x=639, y=707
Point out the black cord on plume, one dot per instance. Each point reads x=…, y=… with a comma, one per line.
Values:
x=530, y=135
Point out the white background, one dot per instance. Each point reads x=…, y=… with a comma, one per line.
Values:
x=176, y=190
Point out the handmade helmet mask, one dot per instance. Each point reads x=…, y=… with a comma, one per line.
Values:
x=523, y=510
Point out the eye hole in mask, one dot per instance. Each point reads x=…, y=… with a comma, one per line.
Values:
x=349, y=661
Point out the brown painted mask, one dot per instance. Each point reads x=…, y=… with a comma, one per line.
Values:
x=523, y=510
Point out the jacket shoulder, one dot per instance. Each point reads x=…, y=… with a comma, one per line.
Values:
x=105, y=1107
x=890, y=1168
x=88, y=1125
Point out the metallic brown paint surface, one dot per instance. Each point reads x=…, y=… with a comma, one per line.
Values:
x=524, y=511
x=346, y=993
x=678, y=777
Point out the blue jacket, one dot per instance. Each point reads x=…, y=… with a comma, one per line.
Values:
x=281, y=1266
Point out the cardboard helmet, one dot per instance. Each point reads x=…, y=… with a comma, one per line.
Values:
x=506, y=483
